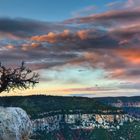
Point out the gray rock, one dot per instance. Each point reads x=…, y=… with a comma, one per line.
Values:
x=14, y=124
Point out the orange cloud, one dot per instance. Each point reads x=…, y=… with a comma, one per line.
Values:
x=83, y=34
x=26, y=47
x=66, y=35
x=52, y=37
x=8, y=35
x=130, y=55
x=10, y=47
x=117, y=73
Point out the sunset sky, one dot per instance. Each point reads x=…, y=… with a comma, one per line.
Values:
x=79, y=47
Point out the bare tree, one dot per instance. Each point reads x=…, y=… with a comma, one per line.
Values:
x=17, y=78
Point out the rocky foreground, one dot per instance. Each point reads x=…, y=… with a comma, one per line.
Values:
x=14, y=124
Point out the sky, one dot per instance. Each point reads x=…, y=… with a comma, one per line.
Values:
x=78, y=47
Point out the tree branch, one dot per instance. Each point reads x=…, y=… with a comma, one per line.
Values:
x=20, y=78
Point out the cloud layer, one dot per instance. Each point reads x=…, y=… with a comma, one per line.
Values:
x=107, y=41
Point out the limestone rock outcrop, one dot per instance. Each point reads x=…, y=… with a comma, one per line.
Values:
x=80, y=121
x=14, y=124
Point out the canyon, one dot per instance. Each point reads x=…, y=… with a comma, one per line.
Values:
x=81, y=121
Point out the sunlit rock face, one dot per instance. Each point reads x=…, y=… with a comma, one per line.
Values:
x=14, y=124
x=81, y=121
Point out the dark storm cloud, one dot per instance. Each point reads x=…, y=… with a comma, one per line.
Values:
x=20, y=27
x=109, y=18
x=38, y=57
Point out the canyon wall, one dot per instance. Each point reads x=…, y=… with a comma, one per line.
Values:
x=81, y=121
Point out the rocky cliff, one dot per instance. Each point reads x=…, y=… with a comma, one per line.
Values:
x=130, y=105
x=81, y=121
x=14, y=124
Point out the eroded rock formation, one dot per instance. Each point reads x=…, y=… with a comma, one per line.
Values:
x=14, y=124
x=81, y=121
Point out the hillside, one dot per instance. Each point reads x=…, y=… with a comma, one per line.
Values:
x=130, y=105
x=121, y=101
x=41, y=106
